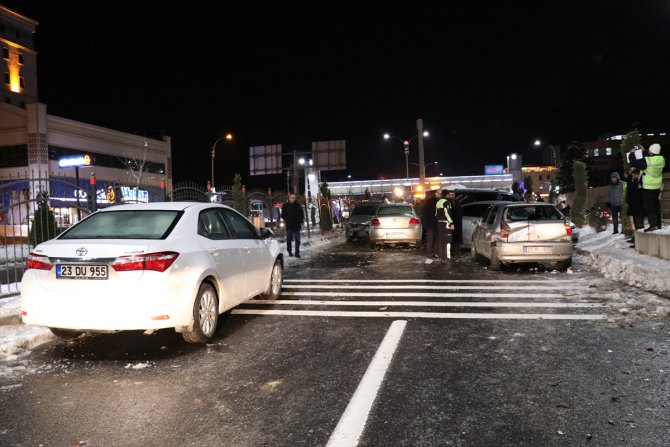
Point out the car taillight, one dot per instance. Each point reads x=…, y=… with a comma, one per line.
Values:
x=375, y=222
x=158, y=262
x=568, y=229
x=504, y=229
x=38, y=262
x=414, y=221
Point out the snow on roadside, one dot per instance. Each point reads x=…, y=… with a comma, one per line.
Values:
x=18, y=339
x=14, y=287
x=615, y=259
x=10, y=306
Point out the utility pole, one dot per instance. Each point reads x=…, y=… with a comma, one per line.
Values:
x=422, y=166
x=296, y=183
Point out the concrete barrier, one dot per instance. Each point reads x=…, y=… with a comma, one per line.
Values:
x=654, y=243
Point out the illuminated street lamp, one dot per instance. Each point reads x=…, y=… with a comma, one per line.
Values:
x=405, y=143
x=228, y=137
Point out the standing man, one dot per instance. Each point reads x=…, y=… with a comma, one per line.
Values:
x=430, y=222
x=651, y=165
x=445, y=226
x=614, y=196
x=634, y=199
x=293, y=217
x=457, y=215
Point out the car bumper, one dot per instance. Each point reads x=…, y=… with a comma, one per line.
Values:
x=391, y=235
x=534, y=251
x=360, y=232
x=151, y=303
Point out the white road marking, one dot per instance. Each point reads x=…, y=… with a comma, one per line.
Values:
x=429, y=294
x=437, y=315
x=422, y=304
x=415, y=287
x=349, y=429
x=445, y=281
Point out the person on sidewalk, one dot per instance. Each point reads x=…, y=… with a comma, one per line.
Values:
x=445, y=226
x=291, y=213
x=651, y=164
x=614, y=197
x=634, y=199
x=430, y=222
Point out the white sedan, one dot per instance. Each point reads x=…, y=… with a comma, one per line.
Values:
x=150, y=266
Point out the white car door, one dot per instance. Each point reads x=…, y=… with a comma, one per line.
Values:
x=257, y=258
x=225, y=253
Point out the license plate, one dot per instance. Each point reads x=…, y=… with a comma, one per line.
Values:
x=395, y=235
x=538, y=249
x=65, y=271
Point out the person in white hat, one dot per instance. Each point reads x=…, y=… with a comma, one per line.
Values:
x=651, y=165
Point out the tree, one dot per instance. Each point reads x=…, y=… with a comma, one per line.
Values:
x=580, y=183
x=565, y=180
x=324, y=190
x=136, y=165
x=44, y=222
x=239, y=202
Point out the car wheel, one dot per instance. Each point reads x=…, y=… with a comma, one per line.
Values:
x=495, y=261
x=205, y=315
x=65, y=333
x=276, y=279
x=563, y=265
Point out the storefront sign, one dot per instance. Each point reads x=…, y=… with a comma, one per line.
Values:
x=75, y=162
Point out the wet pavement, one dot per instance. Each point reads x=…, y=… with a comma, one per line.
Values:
x=523, y=357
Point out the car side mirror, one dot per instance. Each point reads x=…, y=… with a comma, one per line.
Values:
x=266, y=233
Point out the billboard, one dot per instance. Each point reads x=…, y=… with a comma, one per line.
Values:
x=494, y=169
x=264, y=160
x=329, y=155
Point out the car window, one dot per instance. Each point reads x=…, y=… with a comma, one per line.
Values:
x=239, y=226
x=364, y=210
x=492, y=215
x=210, y=225
x=507, y=197
x=475, y=210
x=532, y=212
x=394, y=210
x=136, y=224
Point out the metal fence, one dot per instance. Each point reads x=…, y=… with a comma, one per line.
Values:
x=36, y=206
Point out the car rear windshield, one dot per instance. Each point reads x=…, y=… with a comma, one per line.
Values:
x=364, y=210
x=475, y=210
x=394, y=210
x=531, y=212
x=136, y=224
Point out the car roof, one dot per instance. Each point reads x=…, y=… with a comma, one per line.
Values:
x=487, y=202
x=161, y=206
x=530, y=203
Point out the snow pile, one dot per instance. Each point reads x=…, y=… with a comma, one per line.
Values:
x=10, y=307
x=613, y=256
x=18, y=339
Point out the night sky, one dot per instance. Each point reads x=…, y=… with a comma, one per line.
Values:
x=487, y=80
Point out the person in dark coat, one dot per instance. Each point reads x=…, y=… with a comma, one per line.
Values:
x=429, y=222
x=291, y=213
x=614, y=199
x=634, y=199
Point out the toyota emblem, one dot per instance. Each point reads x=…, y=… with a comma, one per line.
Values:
x=81, y=251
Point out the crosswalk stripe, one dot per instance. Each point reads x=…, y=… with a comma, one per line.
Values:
x=423, y=304
x=428, y=315
x=431, y=295
x=414, y=287
x=438, y=281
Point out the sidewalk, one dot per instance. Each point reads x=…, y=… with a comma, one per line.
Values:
x=17, y=338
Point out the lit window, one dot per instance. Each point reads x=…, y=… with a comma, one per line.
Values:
x=21, y=58
x=6, y=78
x=608, y=151
x=596, y=152
x=5, y=53
x=22, y=82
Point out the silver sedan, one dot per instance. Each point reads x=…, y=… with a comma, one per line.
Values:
x=523, y=232
x=395, y=224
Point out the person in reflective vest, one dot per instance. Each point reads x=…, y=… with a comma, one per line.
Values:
x=445, y=226
x=651, y=165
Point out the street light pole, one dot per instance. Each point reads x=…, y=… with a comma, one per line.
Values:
x=228, y=137
x=422, y=168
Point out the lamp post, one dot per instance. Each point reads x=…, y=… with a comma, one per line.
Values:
x=227, y=137
x=406, y=142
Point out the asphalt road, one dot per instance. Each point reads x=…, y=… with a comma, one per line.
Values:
x=523, y=357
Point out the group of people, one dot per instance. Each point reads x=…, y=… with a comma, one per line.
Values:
x=644, y=181
x=443, y=224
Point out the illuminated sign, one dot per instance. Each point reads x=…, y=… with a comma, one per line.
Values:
x=494, y=169
x=75, y=162
x=132, y=195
